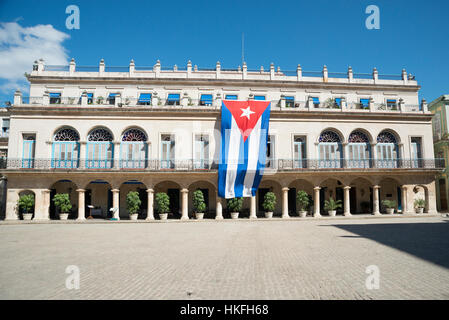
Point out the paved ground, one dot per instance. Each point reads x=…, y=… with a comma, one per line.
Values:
x=313, y=259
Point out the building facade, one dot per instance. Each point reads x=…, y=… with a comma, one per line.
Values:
x=440, y=107
x=99, y=132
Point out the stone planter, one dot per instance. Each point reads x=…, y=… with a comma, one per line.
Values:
x=302, y=214
x=133, y=216
x=63, y=216
x=419, y=210
x=199, y=215
x=332, y=213
x=234, y=215
x=27, y=216
x=163, y=216
x=390, y=210
x=269, y=215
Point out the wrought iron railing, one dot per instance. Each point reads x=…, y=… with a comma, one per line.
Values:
x=208, y=165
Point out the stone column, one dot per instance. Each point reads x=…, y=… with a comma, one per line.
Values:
x=218, y=207
x=42, y=205
x=316, y=202
x=285, y=203
x=347, y=211
x=404, y=200
x=376, y=211
x=150, y=201
x=12, y=206
x=185, y=204
x=81, y=204
x=252, y=211
x=116, y=203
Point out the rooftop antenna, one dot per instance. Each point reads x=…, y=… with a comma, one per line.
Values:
x=243, y=48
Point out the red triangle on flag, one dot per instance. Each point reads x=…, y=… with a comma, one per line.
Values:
x=246, y=114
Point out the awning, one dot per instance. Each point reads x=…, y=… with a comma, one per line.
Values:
x=206, y=98
x=173, y=97
x=231, y=97
x=289, y=98
x=364, y=103
x=145, y=97
x=259, y=97
x=55, y=94
x=338, y=101
x=316, y=100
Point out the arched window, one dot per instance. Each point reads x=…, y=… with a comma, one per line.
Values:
x=65, y=148
x=359, y=150
x=387, y=150
x=329, y=150
x=99, y=149
x=133, y=149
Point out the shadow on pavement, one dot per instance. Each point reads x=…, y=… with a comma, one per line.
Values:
x=428, y=241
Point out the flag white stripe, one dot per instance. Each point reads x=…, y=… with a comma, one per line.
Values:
x=253, y=158
x=234, y=137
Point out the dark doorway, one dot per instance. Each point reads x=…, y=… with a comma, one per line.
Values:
x=322, y=198
x=52, y=205
x=443, y=197
x=353, y=199
x=174, y=202
x=339, y=196
x=399, y=199
x=110, y=205
x=87, y=202
x=292, y=202
x=262, y=193
x=143, y=202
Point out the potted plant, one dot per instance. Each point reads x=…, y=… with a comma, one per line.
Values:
x=26, y=204
x=303, y=200
x=234, y=205
x=420, y=204
x=133, y=204
x=331, y=206
x=162, y=205
x=198, y=204
x=62, y=203
x=389, y=205
x=100, y=100
x=269, y=203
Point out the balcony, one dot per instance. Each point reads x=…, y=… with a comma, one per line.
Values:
x=190, y=165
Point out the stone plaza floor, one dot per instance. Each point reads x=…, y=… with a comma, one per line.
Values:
x=277, y=259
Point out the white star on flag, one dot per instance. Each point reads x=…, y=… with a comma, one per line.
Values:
x=246, y=112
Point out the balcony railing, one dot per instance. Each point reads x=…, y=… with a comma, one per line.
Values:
x=209, y=165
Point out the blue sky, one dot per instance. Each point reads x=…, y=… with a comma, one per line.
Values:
x=412, y=35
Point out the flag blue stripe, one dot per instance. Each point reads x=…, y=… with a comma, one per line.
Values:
x=226, y=122
x=262, y=150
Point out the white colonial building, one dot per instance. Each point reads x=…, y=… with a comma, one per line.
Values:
x=99, y=132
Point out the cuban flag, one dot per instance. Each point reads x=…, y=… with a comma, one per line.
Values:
x=244, y=132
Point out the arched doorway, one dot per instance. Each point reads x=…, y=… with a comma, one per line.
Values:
x=98, y=199
x=208, y=190
x=361, y=196
x=387, y=150
x=133, y=149
x=172, y=189
x=294, y=188
x=20, y=209
x=141, y=189
x=269, y=186
x=330, y=151
x=331, y=188
x=390, y=189
x=64, y=186
x=359, y=150
x=100, y=148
